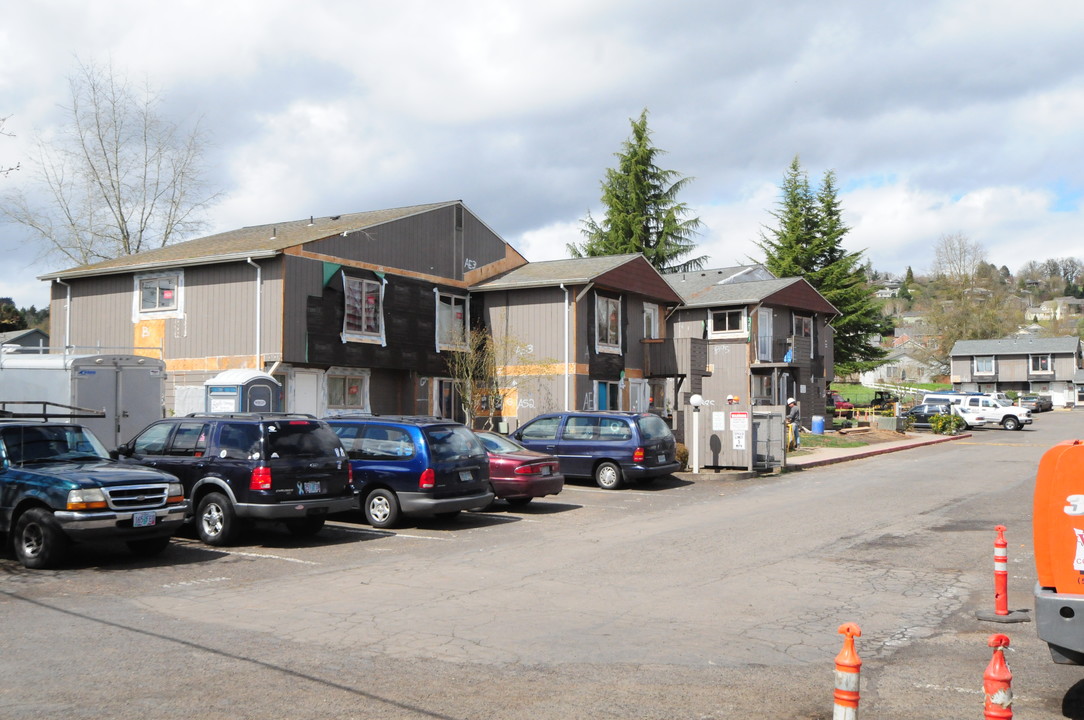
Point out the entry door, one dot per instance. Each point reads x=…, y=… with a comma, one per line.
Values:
x=446, y=400
x=306, y=396
x=639, y=395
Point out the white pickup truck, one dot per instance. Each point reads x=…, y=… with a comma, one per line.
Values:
x=1002, y=412
x=994, y=409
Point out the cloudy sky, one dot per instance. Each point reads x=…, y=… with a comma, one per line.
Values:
x=938, y=117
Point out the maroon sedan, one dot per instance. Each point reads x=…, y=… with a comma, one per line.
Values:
x=517, y=474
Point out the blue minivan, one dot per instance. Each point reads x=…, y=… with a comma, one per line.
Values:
x=414, y=466
x=610, y=447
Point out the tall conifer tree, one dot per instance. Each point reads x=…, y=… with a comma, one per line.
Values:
x=808, y=243
x=643, y=214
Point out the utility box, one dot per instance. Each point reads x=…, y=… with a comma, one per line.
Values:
x=124, y=390
x=243, y=391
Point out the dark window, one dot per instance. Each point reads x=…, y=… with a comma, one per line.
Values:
x=239, y=441
x=652, y=427
x=190, y=440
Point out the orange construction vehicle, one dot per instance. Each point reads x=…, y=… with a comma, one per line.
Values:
x=1058, y=530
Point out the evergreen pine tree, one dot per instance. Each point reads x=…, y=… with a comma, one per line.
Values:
x=808, y=243
x=643, y=214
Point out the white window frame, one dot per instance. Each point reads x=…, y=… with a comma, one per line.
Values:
x=355, y=290
x=345, y=374
x=605, y=307
x=174, y=311
x=975, y=365
x=743, y=323
x=651, y=322
x=802, y=325
x=443, y=300
x=1032, y=370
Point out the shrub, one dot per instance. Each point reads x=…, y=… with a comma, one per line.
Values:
x=682, y=455
x=946, y=424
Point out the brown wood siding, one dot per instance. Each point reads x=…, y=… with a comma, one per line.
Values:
x=430, y=243
x=101, y=313
x=533, y=318
x=391, y=392
x=304, y=279
x=220, y=313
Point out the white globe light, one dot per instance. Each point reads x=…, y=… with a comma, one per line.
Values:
x=696, y=400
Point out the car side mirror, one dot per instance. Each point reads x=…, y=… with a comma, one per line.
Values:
x=124, y=449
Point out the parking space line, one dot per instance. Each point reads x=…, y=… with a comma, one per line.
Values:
x=193, y=545
x=384, y=533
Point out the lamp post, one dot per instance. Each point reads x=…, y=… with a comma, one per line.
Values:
x=696, y=401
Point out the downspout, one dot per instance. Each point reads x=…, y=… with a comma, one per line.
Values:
x=67, y=315
x=566, y=345
x=259, y=308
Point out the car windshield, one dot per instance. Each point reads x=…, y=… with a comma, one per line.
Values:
x=51, y=443
x=453, y=442
x=499, y=443
x=1003, y=403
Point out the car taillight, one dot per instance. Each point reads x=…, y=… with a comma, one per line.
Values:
x=528, y=469
x=638, y=455
x=261, y=479
x=349, y=473
x=427, y=480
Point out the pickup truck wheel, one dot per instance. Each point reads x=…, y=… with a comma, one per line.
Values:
x=305, y=527
x=39, y=541
x=216, y=520
x=149, y=547
x=382, y=508
x=608, y=476
x=1010, y=423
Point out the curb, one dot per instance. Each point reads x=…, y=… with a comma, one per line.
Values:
x=871, y=453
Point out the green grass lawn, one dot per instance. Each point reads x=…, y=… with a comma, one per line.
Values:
x=810, y=440
x=861, y=395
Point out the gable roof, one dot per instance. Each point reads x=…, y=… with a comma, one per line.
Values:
x=14, y=336
x=1019, y=345
x=729, y=286
x=257, y=241
x=623, y=273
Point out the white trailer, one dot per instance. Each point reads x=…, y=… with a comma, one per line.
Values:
x=126, y=391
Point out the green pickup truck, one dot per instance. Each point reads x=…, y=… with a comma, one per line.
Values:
x=59, y=486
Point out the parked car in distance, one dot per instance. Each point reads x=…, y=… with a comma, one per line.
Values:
x=922, y=415
x=414, y=466
x=1035, y=403
x=838, y=402
x=58, y=485
x=611, y=447
x=517, y=474
x=239, y=467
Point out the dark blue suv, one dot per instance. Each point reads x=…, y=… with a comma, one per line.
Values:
x=611, y=447
x=414, y=466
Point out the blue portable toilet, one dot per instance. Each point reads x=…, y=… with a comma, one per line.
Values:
x=243, y=391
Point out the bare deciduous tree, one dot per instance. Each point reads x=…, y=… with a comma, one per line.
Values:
x=4, y=170
x=117, y=179
x=958, y=259
x=477, y=373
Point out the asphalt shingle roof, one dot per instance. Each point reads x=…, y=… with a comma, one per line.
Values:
x=555, y=272
x=1018, y=345
x=257, y=240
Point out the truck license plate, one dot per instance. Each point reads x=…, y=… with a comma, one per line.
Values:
x=662, y=459
x=311, y=488
x=465, y=476
x=145, y=518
